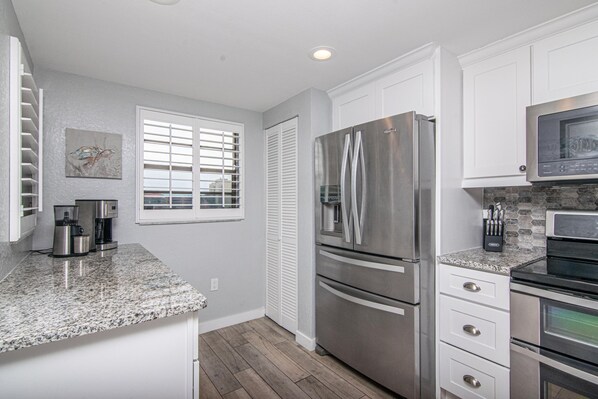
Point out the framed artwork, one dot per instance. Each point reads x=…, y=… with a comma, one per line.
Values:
x=93, y=154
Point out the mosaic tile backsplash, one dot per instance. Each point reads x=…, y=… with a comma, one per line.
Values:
x=525, y=209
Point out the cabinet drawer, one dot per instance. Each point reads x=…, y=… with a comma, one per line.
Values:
x=476, y=286
x=469, y=376
x=478, y=329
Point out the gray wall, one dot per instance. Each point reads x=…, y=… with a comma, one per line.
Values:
x=234, y=252
x=10, y=255
x=314, y=110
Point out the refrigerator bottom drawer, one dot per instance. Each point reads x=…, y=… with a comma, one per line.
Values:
x=375, y=335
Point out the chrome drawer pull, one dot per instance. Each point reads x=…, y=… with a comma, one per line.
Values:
x=473, y=287
x=471, y=330
x=471, y=380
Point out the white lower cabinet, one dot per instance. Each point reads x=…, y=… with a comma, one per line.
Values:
x=469, y=376
x=474, y=328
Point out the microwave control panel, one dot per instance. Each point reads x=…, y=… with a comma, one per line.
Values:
x=568, y=168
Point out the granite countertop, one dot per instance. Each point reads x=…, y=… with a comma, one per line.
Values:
x=494, y=262
x=48, y=299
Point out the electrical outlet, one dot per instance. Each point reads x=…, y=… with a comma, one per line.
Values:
x=214, y=284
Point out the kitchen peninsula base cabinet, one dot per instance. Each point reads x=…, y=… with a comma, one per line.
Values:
x=153, y=359
x=111, y=324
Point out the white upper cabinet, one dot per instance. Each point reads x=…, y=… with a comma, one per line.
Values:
x=354, y=107
x=566, y=64
x=410, y=89
x=495, y=94
x=403, y=85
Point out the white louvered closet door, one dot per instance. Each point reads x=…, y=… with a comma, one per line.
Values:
x=281, y=300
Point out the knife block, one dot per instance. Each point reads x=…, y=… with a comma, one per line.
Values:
x=492, y=243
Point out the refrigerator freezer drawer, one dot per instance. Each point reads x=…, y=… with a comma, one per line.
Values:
x=387, y=277
x=377, y=336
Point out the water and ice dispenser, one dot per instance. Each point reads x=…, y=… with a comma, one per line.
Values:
x=330, y=204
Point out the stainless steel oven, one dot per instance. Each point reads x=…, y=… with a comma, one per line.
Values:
x=554, y=313
x=562, y=139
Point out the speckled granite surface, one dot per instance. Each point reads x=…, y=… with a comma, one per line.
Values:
x=494, y=262
x=49, y=299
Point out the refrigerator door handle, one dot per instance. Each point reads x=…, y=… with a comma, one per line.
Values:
x=358, y=151
x=362, y=302
x=346, y=220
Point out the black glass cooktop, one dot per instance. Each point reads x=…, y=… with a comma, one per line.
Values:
x=571, y=275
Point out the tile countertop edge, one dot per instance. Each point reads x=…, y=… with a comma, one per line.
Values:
x=492, y=262
x=20, y=328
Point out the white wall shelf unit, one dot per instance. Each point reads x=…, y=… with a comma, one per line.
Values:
x=26, y=145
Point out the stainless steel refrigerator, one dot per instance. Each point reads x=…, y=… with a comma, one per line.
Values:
x=375, y=250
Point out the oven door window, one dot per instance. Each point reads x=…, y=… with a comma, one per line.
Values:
x=559, y=385
x=570, y=329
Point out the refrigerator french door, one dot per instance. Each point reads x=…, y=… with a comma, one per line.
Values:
x=374, y=250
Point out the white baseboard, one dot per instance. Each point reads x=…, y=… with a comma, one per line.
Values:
x=305, y=341
x=211, y=325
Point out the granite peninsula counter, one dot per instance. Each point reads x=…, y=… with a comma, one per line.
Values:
x=57, y=314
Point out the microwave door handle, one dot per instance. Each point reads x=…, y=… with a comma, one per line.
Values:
x=555, y=364
x=346, y=221
x=354, y=166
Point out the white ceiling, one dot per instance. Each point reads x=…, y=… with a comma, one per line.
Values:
x=254, y=53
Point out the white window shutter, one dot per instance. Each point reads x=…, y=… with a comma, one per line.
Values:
x=273, y=239
x=289, y=225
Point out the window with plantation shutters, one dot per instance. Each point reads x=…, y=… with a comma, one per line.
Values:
x=189, y=168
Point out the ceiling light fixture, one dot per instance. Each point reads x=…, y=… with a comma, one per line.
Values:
x=165, y=2
x=321, y=53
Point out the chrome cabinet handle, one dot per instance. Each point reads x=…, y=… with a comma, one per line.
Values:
x=346, y=220
x=471, y=330
x=470, y=286
x=472, y=381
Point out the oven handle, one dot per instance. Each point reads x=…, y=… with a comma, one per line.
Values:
x=554, y=364
x=555, y=296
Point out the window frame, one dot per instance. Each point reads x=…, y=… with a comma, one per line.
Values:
x=196, y=214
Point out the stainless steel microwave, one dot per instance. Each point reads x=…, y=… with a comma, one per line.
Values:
x=562, y=139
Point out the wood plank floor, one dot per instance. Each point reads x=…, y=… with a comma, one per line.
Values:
x=261, y=360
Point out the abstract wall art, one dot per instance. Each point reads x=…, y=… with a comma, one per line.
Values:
x=93, y=154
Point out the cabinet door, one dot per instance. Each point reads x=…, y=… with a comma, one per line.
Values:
x=410, y=89
x=495, y=94
x=353, y=107
x=566, y=65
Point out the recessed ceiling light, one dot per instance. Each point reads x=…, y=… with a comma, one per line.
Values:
x=166, y=2
x=321, y=53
